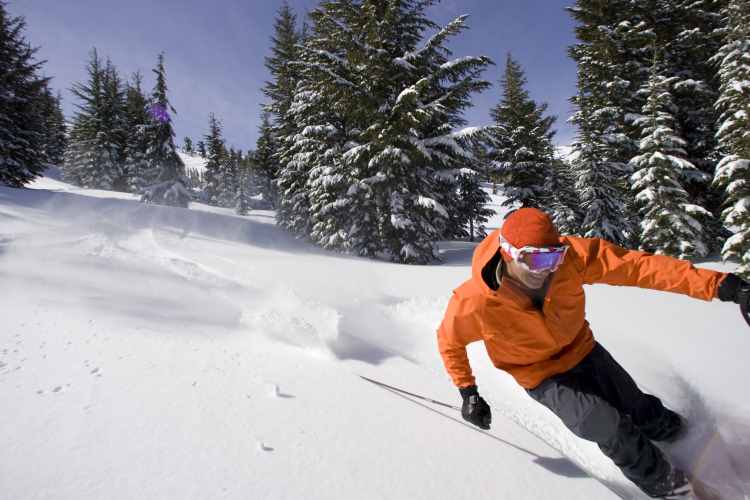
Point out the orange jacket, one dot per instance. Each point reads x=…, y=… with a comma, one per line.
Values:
x=533, y=344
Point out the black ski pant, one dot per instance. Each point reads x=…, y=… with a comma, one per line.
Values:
x=598, y=401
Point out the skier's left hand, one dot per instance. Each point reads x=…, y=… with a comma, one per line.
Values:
x=734, y=289
x=475, y=409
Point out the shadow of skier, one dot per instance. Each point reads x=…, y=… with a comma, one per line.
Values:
x=557, y=465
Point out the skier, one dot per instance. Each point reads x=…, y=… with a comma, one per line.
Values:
x=526, y=301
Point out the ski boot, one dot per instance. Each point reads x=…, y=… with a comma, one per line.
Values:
x=675, y=485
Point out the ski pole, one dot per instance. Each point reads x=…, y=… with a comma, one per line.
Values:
x=429, y=400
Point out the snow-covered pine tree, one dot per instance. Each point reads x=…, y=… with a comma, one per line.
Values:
x=23, y=128
x=733, y=172
x=215, y=154
x=521, y=141
x=228, y=180
x=613, y=58
x=385, y=149
x=242, y=200
x=284, y=50
x=56, y=138
x=280, y=91
x=308, y=139
x=599, y=179
x=187, y=145
x=471, y=208
x=563, y=201
x=137, y=119
x=689, y=38
x=686, y=46
x=266, y=165
x=166, y=173
x=113, y=137
x=610, y=71
x=614, y=53
x=93, y=158
x=670, y=224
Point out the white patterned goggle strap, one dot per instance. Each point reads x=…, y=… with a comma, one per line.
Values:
x=536, y=259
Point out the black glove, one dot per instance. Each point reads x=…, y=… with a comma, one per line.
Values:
x=475, y=409
x=734, y=289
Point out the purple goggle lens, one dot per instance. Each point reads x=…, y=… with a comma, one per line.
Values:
x=541, y=261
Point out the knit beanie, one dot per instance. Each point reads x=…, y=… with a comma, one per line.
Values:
x=529, y=227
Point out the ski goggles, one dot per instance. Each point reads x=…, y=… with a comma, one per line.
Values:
x=536, y=259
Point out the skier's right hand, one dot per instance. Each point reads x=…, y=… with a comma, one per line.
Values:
x=734, y=289
x=475, y=409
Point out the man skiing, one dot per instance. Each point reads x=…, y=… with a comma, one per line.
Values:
x=525, y=300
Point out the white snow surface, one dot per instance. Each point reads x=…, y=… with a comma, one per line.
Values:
x=193, y=162
x=159, y=353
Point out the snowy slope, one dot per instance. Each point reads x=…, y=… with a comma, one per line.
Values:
x=158, y=353
x=193, y=162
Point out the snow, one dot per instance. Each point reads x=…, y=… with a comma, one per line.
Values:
x=193, y=162
x=455, y=62
x=155, y=353
x=400, y=61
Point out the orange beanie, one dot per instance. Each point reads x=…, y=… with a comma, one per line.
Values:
x=529, y=227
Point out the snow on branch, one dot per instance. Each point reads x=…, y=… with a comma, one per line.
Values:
x=435, y=40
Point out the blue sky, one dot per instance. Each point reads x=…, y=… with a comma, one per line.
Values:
x=215, y=51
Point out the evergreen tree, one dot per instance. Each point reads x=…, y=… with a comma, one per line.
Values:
x=563, y=201
x=94, y=156
x=201, y=149
x=215, y=155
x=56, y=139
x=522, y=141
x=616, y=42
x=373, y=166
x=113, y=136
x=137, y=120
x=610, y=71
x=187, y=145
x=670, y=224
x=280, y=91
x=242, y=202
x=598, y=181
x=265, y=162
x=24, y=131
x=228, y=180
x=166, y=175
x=471, y=209
x=733, y=172
x=687, y=49
x=307, y=137
x=613, y=57
x=284, y=50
